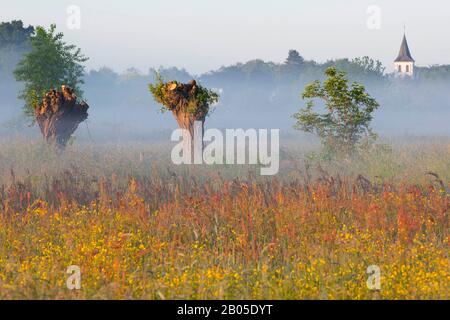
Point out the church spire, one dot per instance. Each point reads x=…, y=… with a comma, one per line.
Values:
x=405, y=54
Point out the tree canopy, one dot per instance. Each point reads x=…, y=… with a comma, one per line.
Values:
x=51, y=63
x=294, y=58
x=14, y=34
x=14, y=42
x=348, y=112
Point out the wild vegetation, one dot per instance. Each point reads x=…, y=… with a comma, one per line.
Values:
x=349, y=113
x=52, y=64
x=188, y=102
x=139, y=228
x=272, y=87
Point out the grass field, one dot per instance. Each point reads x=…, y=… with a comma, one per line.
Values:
x=140, y=228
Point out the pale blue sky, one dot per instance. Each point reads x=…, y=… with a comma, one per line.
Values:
x=201, y=35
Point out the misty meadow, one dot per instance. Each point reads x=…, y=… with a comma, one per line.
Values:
x=93, y=206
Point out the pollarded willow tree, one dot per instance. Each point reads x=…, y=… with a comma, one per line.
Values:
x=59, y=115
x=52, y=64
x=188, y=102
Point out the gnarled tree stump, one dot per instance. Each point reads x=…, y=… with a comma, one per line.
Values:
x=189, y=103
x=59, y=116
x=183, y=104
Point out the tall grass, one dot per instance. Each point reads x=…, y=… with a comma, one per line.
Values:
x=142, y=228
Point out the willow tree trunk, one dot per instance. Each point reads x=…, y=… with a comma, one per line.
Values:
x=187, y=122
x=182, y=101
x=59, y=116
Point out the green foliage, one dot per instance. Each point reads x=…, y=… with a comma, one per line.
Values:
x=346, y=122
x=13, y=34
x=294, y=58
x=435, y=72
x=14, y=42
x=50, y=64
x=363, y=69
x=180, y=75
x=159, y=92
x=200, y=104
x=370, y=66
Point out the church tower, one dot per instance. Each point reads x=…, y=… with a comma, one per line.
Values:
x=404, y=64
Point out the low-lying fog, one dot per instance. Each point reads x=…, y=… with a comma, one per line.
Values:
x=256, y=94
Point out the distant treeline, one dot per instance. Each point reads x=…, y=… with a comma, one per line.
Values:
x=253, y=94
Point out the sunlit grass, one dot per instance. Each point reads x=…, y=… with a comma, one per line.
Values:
x=140, y=228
